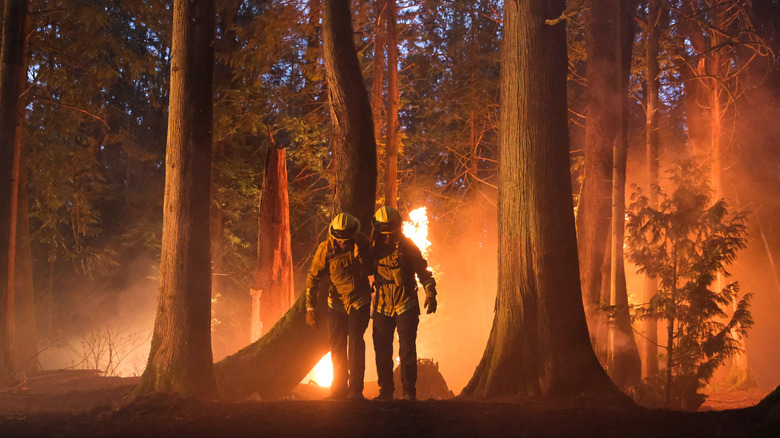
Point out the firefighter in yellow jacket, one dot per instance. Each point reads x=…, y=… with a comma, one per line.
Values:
x=396, y=305
x=345, y=257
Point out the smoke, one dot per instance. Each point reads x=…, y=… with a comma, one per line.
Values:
x=103, y=325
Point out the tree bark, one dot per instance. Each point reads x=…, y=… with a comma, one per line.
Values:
x=12, y=62
x=393, y=97
x=377, y=82
x=353, y=143
x=539, y=341
x=601, y=133
x=274, y=270
x=180, y=360
x=25, y=327
x=650, y=325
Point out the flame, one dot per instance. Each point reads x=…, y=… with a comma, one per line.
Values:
x=416, y=228
x=322, y=373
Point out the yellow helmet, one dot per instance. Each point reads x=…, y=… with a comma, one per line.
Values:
x=344, y=226
x=387, y=220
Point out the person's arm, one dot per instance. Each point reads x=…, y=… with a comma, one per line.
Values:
x=420, y=267
x=316, y=272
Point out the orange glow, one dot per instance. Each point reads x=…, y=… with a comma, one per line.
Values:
x=322, y=373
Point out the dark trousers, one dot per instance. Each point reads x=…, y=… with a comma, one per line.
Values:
x=384, y=327
x=348, y=349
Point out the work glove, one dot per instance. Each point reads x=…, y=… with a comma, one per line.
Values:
x=430, y=304
x=311, y=318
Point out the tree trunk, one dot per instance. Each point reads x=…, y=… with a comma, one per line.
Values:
x=180, y=360
x=393, y=97
x=539, y=341
x=377, y=82
x=12, y=62
x=650, y=325
x=354, y=146
x=626, y=364
x=273, y=276
x=25, y=329
x=278, y=361
x=601, y=133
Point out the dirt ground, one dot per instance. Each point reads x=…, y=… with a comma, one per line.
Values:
x=83, y=404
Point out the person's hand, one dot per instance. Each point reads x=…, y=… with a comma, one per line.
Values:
x=311, y=318
x=430, y=304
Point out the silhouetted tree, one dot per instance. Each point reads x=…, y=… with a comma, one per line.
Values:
x=12, y=63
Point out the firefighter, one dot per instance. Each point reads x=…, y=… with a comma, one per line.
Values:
x=395, y=304
x=345, y=257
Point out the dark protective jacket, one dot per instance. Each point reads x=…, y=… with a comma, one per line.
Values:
x=348, y=271
x=396, y=286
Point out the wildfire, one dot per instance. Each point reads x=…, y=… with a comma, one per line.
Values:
x=416, y=228
x=322, y=373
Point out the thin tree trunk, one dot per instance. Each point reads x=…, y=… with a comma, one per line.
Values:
x=377, y=84
x=625, y=354
x=274, y=270
x=12, y=60
x=180, y=360
x=354, y=146
x=650, y=285
x=26, y=332
x=601, y=132
x=539, y=341
x=393, y=97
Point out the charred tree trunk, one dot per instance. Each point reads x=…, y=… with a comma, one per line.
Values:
x=393, y=97
x=273, y=277
x=274, y=364
x=180, y=360
x=601, y=133
x=539, y=342
x=12, y=63
x=353, y=143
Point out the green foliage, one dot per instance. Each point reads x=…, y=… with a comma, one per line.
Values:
x=686, y=242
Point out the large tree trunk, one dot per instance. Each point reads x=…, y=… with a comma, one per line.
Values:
x=180, y=360
x=273, y=277
x=272, y=366
x=650, y=325
x=12, y=62
x=354, y=146
x=393, y=97
x=601, y=132
x=539, y=342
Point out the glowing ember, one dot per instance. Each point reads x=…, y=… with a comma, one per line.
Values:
x=416, y=228
x=322, y=373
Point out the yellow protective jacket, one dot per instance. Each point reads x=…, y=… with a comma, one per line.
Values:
x=396, y=286
x=348, y=270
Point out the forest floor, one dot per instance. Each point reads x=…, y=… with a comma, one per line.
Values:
x=83, y=404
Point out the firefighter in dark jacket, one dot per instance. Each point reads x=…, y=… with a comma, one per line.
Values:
x=396, y=305
x=345, y=257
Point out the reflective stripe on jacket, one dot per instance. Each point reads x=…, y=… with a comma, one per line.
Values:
x=348, y=270
x=397, y=264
